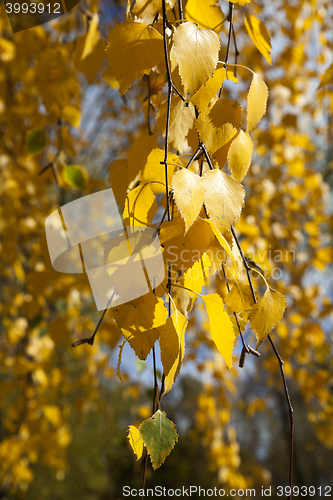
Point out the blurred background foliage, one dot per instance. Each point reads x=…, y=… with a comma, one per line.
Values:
x=63, y=412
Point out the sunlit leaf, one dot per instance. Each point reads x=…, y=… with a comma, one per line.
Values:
x=196, y=53
x=259, y=34
x=135, y=440
x=140, y=206
x=188, y=191
x=220, y=326
x=205, y=13
x=267, y=313
x=92, y=37
x=256, y=101
x=206, y=93
x=240, y=154
x=224, y=198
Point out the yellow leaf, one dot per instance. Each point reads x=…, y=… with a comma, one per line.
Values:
x=140, y=321
x=140, y=206
x=172, y=345
x=183, y=250
x=220, y=238
x=224, y=198
x=259, y=34
x=91, y=64
x=135, y=440
x=196, y=53
x=139, y=152
x=72, y=115
x=188, y=192
x=219, y=123
x=220, y=326
x=267, y=313
x=155, y=171
x=240, y=2
x=205, y=13
x=194, y=278
x=181, y=120
x=239, y=155
x=256, y=101
x=206, y=93
x=133, y=50
x=143, y=8
x=92, y=37
x=239, y=299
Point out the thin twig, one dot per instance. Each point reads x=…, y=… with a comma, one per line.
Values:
x=281, y=362
x=230, y=19
x=180, y=8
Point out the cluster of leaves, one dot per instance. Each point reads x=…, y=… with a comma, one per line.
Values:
x=44, y=75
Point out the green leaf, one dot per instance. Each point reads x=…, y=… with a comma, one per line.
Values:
x=159, y=436
x=73, y=176
x=36, y=141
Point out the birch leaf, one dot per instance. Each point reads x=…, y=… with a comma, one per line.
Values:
x=189, y=192
x=205, y=13
x=140, y=206
x=196, y=53
x=155, y=171
x=181, y=120
x=224, y=198
x=135, y=440
x=172, y=345
x=159, y=436
x=239, y=155
x=267, y=313
x=256, y=101
x=206, y=93
x=220, y=326
x=259, y=34
x=92, y=37
x=239, y=299
x=133, y=50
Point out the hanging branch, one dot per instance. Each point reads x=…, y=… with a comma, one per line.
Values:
x=230, y=19
x=281, y=362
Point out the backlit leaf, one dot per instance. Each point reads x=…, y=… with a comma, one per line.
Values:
x=206, y=93
x=140, y=206
x=220, y=326
x=154, y=170
x=259, y=34
x=133, y=50
x=224, y=198
x=239, y=299
x=181, y=120
x=239, y=155
x=135, y=440
x=188, y=191
x=159, y=436
x=196, y=52
x=256, y=101
x=92, y=37
x=267, y=313
x=172, y=345
x=205, y=13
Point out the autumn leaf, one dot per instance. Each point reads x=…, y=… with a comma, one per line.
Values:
x=140, y=206
x=259, y=34
x=159, y=436
x=92, y=37
x=135, y=440
x=256, y=101
x=73, y=176
x=196, y=52
x=205, y=94
x=224, y=198
x=239, y=155
x=239, y=299
x=188, y=191
x=133, y=50
x=205, y=13
x=220, y=326
x=181, y=120
x=172, y=345
x=154, y=170
x=267, y=313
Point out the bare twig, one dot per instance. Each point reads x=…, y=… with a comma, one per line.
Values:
x=281, y=362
